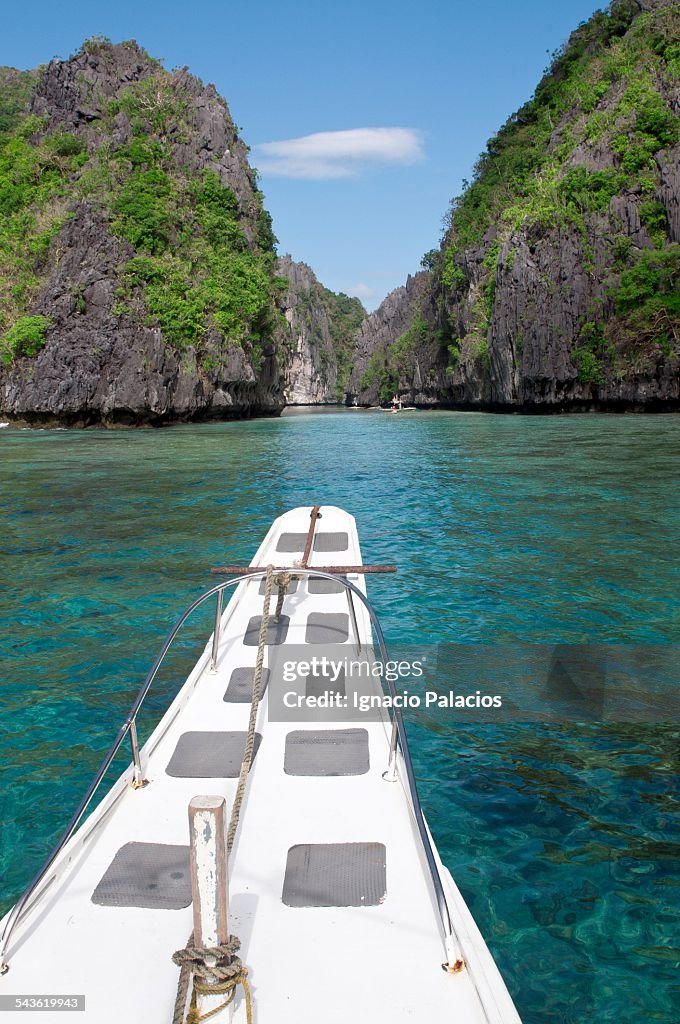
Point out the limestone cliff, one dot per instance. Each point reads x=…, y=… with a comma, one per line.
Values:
x=137, y=264
x=378, y=369
x=556, y=285
x=319, y=337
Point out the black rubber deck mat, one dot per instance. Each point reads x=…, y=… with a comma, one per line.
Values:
x=331, y=542
x=291, y=542
x=316, y=685
x=319, y=585
x=325, y=752
x=290, y=589
x=149, y=875
x=276, y=631
x=240, y=688
x=209, y=755
x=335, y=875
x=327, y=628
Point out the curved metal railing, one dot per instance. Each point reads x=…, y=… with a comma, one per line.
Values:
x=398, y=741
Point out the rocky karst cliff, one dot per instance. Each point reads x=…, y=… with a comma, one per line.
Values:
x=139, y=281
x=384, y=360
x=556, y=283
x=319, y=338
x=137, y=264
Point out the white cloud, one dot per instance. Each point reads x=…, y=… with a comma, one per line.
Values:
x=362, y=291
x=339, y=154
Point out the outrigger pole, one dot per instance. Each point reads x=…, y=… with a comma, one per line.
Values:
x=228, y=570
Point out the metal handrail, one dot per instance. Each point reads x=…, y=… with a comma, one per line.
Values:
x=398, y=739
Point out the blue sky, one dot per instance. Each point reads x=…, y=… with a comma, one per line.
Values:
x=368, y=204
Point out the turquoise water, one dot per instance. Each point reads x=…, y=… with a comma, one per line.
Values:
x=563, y=838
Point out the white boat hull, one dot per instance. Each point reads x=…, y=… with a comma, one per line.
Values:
x=375, y=964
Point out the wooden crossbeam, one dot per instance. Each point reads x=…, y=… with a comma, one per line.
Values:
x=241, y=570
x=314, y=515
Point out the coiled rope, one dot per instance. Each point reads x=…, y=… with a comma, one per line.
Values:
x=219, y=963
x=217, y=970
x=282, y=581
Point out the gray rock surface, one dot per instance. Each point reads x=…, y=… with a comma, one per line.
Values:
x=311, y=376
x=525, y=360
x=98, y=367
x=101, y=368
x=381, y=328
x=508, y=331
x=318, y=339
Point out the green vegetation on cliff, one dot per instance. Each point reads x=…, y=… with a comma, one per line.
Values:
x=556, y=284
x=385, y=367
x=593, y=131
x=603, y=86
x=647, y=301
x=323, y=325
x=25, y=337
x=15, y=92
x=345, y=316
x=36, y=177
x=194, y=264
x=201, y=266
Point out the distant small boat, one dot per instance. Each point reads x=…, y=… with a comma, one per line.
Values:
x=398, y=406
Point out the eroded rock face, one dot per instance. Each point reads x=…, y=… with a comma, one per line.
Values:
x=545, y=290
x=381, y=328
x=101, y=368
x=73, y=92
x=102, y=363
x=532, y=317
x=545, y=293
x=669, y=167
x=312, y=372
x=319, y=337
x=72, y=95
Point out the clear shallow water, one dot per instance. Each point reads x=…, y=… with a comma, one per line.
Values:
x=562, y=838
